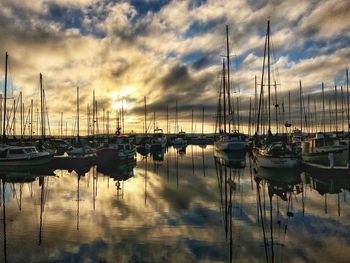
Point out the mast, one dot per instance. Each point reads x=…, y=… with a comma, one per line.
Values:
x=276, y=107
x=300, y=106
x=342, y=107
x=154, y=121
x=31, y=118
x=78, y=127
x=238, y=120
x=228, y=79
x=323, y=110
x=336, y=108
x=167, y=118
x=21, y=115
x=289, y=112
x=250, y=113
x=255, y=100
x=61, y=123
x=268, y=74
x=224, y=91
x=347, y=92
x=202, y=121
x=93, y=112
x=192, y=124
x=145, y=124
x=5, y=99
x=176, y=121
x=261, y=106
x=42, y=107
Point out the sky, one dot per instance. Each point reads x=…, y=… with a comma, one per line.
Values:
x=167, y=51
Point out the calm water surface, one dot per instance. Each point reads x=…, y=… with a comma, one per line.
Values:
x=187, y=207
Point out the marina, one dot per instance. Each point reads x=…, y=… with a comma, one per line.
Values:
x=174, y=131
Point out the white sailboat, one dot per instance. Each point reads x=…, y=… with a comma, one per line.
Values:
x=274, y=153
x=19, y=156
x=227, y=141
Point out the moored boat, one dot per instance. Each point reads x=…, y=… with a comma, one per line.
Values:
x=276, y=155
x=23, y=156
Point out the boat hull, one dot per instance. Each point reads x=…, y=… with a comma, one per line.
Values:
x=26, y=162
x=322, y=158
x=230, y=146
x=277, y=162
x=109, y=155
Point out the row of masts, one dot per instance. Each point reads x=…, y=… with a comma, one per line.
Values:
x=325, y=111
x=308, y=118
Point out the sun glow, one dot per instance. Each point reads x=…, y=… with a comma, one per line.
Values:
x=120, y=97
x=120, y=105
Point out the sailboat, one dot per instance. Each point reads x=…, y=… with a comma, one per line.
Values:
x=14, y=156
x=273, y=153
x=227, y=141
x=144, y=146
x=119, y=149
x=180, y=142
x=159, y=140
x=80, y=149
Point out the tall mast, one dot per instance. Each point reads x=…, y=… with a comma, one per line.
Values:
x=93, y=113
x=342, y=107
x=21, y=115
x=31, y=118
x=261, y=105
x=347, y=92
x=202, y=121
x=238, y=117
x=145, y=127
x=323, y=110
x=122, y=117
x=167, y=118
x=255, y=99
x=250, y=115
x=228, y=79
x=5, y=99
x=78, y=127
x=154, y=121
x=192, y=124
x=336, y=108
x=224, y=91
x=289, y=113
x=42, y=107
x=276, y=107
x=268, y=74
x=62, y=124
x=176, y=123
x=300, y=106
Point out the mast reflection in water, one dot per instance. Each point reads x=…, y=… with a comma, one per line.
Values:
x=174, y=206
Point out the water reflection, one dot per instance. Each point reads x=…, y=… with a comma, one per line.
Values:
x=197, y=206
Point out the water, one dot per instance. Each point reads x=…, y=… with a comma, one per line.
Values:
x=175, y=208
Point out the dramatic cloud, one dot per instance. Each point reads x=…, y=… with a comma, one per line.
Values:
x=167, y=51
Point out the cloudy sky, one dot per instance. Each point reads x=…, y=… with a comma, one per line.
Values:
x=167, y=51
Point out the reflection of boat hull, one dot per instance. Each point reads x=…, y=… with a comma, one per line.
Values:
x=73, y=162
x=119, y=172
x=158, y=156
x=143, y=149
x=280, y=176
x=233, y=160
x=327, y=184
x=321, y=170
